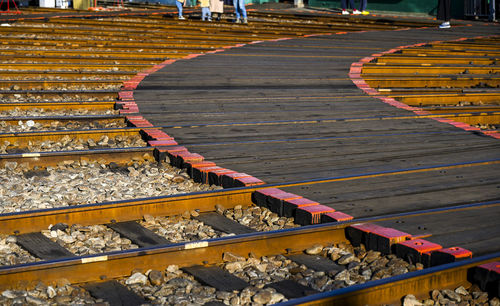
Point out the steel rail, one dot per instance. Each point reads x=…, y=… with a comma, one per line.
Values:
x=262, y=25
x=65, y=74
x=421, y=81
x=75, y=66
x=118, y=264
x=464, y=109
x=434, y=99
x=144, y=35
x=63, y=41
x=149, y=47
x=448, y=52
x=465, y=46
x=427, y=60
x=49, y=61
x=388, y=70
x=94, y=54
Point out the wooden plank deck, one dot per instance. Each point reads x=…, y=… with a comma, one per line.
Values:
x=286, y=112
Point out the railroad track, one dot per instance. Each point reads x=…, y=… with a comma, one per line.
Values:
x=456, y=78
x=79, y=131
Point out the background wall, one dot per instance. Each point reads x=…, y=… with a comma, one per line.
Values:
x=409, y=6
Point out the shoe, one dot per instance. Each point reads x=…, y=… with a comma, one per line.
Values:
x=237, y=21
x=245, y=21
x=365, y=12
x=345, y=12
x=445, y=25
x=210, y=19
x=182, y=18
x=356, y=12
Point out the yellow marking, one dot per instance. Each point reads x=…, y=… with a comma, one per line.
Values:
x=384, y=89
x=30, y=155
x=425, y=64
x=381, y=64
x=196, y=245
x=94, y=259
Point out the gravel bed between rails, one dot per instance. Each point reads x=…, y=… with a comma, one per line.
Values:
x=63, y=86
x=32, y=126
x=74, y=183
x=68, y=143
x=41, y=112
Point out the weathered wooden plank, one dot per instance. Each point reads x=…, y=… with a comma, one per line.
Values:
x=224, y=224
x=291, y=289
x=138, y=234
x=216, y=277
x=317, y=262
x=42, y=247
x=114, y=293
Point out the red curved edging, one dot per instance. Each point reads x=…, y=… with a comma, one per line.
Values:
x=355, y=75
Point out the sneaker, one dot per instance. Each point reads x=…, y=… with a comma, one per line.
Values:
x=365, y=12
x=182, y=18
x=245, y=21
x=445, y=25
x=237, y=21
x=345, y=12
x=356, y=12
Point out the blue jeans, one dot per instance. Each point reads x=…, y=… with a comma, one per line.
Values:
x=179, y=7
x=205, y=13
x=362, y=4
x=239, y=9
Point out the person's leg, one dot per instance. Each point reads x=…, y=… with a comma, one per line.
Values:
x=443, y=11
x=236, y=10
x=343, y=4
x=362, y=5
x=242, y=9
x=179, y=8
x=447, y=4
x=351, y=3
x=492, y=11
